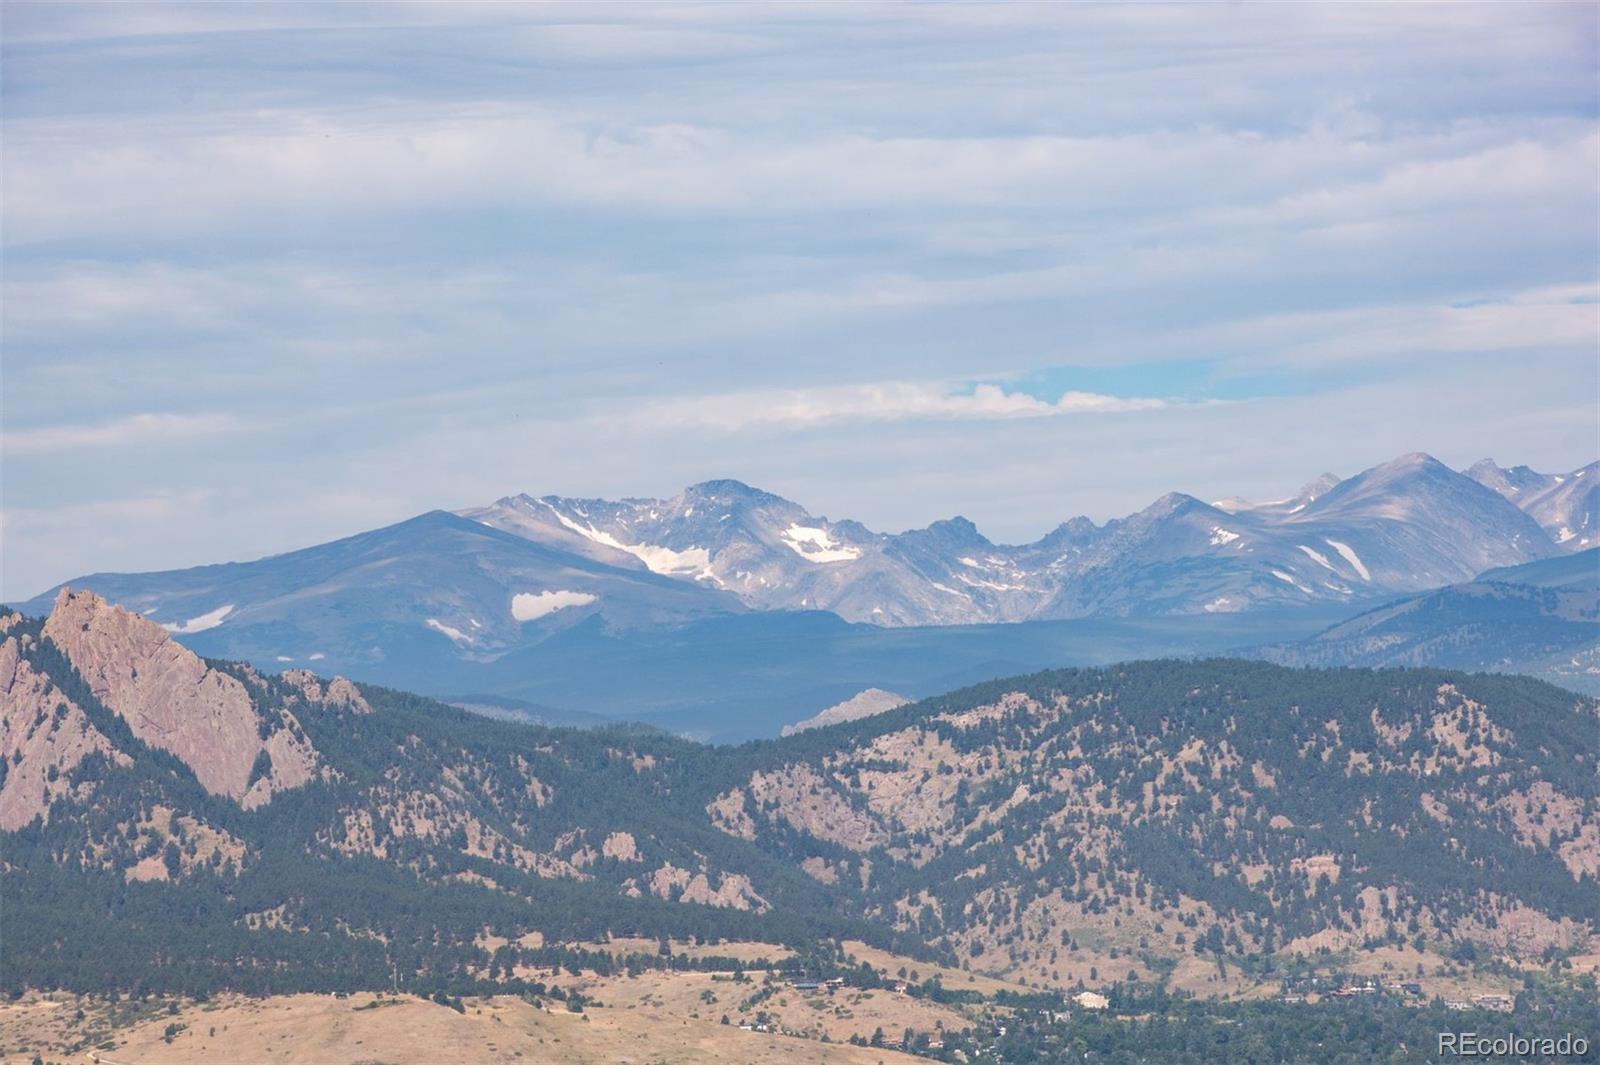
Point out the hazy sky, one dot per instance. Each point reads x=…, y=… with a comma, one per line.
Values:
x=279, y=273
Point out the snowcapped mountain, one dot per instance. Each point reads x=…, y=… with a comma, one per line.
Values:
x=1408, y=525
x=1538, y=618
x=770, y=552
x=1566, y=505
x=412, y=601
x=435, y=589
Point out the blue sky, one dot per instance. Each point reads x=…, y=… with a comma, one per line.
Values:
x=278, y=273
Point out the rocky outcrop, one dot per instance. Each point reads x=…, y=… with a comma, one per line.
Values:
x=734, y=890
x=43, y=735
x=338, y=692
x=864, y=704
x=171, y=699
x=621, y=847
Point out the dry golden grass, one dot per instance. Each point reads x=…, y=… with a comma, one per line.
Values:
x=701, y=997
x=323, y=1030
x=954, y=979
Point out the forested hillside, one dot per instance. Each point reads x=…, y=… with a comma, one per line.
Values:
x=1069, y=827
x=1159, y=811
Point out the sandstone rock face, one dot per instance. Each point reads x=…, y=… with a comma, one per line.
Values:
x=173, y=700
x=734, y=890
x=43, y=735
x=337, y=692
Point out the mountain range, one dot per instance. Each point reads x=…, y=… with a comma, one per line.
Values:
x=1407, y=525
x=1541, y=618
x=727, y=611
x=173, y=823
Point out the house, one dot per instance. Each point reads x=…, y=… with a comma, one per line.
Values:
x=1091, y=1000
x=1412, y=988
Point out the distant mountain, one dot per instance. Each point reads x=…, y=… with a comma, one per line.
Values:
x=176, y=824
x=862, y=704
x=1540, y=618
x=1404, y=526
x=1566, y=505
x=706, y=612
x=403, y=602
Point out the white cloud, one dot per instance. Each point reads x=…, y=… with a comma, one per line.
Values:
x=464, y=234
x=879, y=402
x=1551, y=318
x=131, y=431
x=80, y=175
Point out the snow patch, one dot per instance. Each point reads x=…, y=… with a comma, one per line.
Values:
x=1316, y=556
x=1282, y=576
x=950, y=590
x=1221, y=536
x=993, y=585
x=209, y=620
x=816, y=545
x=1222, y=605
x=455, y=634
x=1351, y=557
x=664, y=560
x=525, y=606
x=1564, y=535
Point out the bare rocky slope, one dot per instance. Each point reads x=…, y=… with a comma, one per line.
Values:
x=1060, y=827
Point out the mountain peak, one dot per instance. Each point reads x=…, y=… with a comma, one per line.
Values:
x=958, y=527
x=1412, y=460
x=1316, y=487
x=727, y=489
x=1172, y=503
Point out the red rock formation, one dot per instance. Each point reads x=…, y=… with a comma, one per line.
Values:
x=40, y=730
x=171, y=699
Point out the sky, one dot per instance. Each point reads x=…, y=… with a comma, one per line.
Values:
x=275, y=274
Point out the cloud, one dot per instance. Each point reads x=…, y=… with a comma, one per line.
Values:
x=384, y=253
x=887, y=401
x=1548, y=319
x=132, y=431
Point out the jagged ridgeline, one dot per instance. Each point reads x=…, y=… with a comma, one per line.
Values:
x=185, y=825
